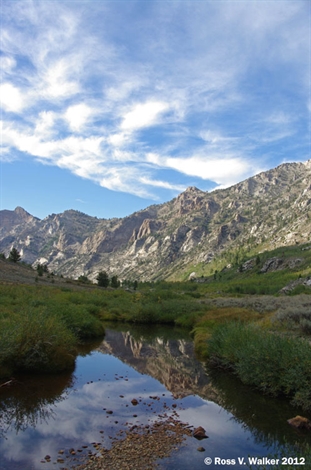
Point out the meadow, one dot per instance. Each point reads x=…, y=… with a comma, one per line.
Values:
x=263, y=339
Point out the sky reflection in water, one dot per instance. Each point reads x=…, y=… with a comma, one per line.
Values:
x=73, y=410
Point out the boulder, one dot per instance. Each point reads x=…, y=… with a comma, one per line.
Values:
x=271, y=264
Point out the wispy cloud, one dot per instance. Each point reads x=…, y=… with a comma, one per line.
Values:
x=143, y=115
x=210, y=90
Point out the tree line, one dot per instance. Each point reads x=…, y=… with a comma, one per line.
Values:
x=102, y=278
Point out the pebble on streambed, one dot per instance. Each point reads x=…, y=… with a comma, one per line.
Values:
x=141, y=444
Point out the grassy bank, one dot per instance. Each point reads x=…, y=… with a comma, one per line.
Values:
x=273, y=363
x=40, y=328
x=41, y=325
x=255, y=336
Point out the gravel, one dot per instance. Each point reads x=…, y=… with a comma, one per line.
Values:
x=141, y=447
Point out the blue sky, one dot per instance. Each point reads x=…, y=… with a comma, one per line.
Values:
x=110, y=106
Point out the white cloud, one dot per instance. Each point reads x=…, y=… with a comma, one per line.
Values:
x=216, y=138
x=279, y=118
x=77, y=116
x=5, y=155
x=127, y=181
x=44, y=124
x=11, y=98
x=119, y=139
x=57, y=82
x=224, y=171
x=161, y=184
x=123, y=88
x=143, y=115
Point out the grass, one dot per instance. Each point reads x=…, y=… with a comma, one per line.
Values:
x=35, y=341
x=40, y=328
x=206, y=323
x=269, y=362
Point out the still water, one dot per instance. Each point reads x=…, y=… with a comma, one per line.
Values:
x=64, y=416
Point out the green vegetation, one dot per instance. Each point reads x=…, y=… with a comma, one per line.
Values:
x=84, y=279
x=14, y=255
x=259, y=337
x=226, y=273
x=114, y=282
x=102, y=279
x=42, y=268
x=272, y=363
x=41, y=326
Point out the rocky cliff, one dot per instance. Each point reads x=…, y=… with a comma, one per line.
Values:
x=268, y=210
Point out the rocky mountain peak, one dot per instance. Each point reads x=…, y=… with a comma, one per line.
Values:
x=193, y=190
x=308, y=164
x=21, y=213
x=268, y=210
x=9, y=220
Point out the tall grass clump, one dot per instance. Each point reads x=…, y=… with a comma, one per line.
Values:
x=35, y=341
x=272, y=363
x=205, y=323
x=40, y=327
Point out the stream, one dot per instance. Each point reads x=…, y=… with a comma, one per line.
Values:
x=65, y=416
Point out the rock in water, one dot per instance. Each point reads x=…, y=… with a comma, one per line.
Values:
x=300, y=422
x=199, y=433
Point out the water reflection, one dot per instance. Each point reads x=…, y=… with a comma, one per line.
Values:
x=31, y=399
x=171, y=360
x=166, y=355
x=266, y=417
x=41, y=415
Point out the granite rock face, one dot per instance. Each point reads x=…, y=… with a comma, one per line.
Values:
x=269, y=210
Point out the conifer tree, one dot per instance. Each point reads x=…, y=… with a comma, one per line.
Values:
x=14, y=255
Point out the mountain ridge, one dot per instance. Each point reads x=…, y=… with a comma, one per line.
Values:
x=165, y=241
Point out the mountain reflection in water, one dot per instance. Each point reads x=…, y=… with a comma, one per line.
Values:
x=40, y=415
x=170, y=361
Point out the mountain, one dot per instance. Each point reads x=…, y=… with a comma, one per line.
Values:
x=167, y=241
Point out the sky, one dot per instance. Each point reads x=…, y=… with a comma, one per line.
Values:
x=108, y=107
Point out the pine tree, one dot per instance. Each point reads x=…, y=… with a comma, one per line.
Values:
x=115, y=282
x=102, y=279
x=14, y=255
